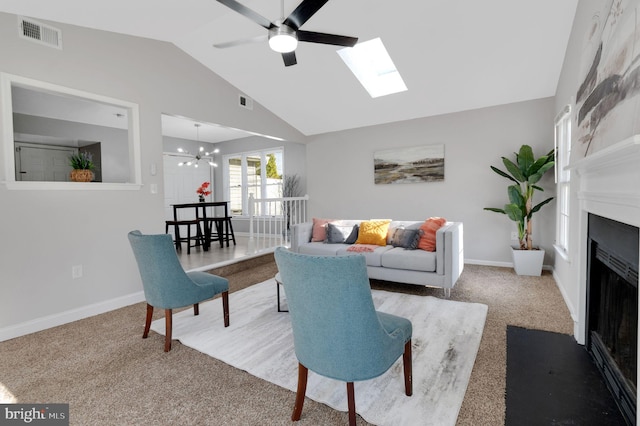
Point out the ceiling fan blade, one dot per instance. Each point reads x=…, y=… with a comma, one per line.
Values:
x=234, y=43
x=324, y=38
x=245, y=11
x=289, y=58
x=303, y=12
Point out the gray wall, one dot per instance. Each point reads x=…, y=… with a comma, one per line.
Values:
x=45, y=233
x=340, y=174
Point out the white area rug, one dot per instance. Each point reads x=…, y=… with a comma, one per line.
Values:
x=446, y=337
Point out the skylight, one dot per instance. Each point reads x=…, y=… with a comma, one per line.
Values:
x=370, y=62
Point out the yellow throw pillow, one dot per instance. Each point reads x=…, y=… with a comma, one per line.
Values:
x=373, y=232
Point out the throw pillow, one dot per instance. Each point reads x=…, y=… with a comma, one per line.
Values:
x=340, y=234
x=373, y=232
x=406, y=238
x=319, y=231
x=429, y=227
x=353, y=236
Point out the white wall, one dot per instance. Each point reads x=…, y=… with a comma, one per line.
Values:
x=340, y=174
x=45, y=233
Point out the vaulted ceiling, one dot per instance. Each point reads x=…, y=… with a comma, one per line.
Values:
x=454, y=55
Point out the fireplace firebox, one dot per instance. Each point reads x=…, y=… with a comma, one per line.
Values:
x=612, y=307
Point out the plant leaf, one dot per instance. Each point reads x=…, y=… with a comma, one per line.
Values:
x=515, y=195
x=538, y=206
x=493, y=209
x=525, y=159
x=513, y=169
x=514, y=212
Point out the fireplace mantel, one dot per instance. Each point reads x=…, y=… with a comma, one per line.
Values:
x=609, y=181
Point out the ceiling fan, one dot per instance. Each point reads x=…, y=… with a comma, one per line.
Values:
x=284, y=34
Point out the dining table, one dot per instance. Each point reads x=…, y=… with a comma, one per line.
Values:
x=213, y=219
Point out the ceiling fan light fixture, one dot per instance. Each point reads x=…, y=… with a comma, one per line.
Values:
x=283, y=39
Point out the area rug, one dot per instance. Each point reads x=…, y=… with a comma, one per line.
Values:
x=446, y=337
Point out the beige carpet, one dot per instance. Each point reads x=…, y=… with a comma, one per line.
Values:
x=110, y=376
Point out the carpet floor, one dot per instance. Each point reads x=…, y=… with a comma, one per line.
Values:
x=110, y=376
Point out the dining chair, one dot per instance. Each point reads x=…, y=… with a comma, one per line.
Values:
x=167, y=286
x=186, y=215
x=337, y=332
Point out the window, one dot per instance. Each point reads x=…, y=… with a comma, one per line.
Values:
x=256, y=173
x=563, y=177
x=370, y=62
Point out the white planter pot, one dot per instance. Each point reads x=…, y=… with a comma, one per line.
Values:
x=527, y=262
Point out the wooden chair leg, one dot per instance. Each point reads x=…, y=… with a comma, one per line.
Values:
x=302, y=390
x=147, y=324
x=225, y=307
x=351, y=402
x=168, y=316
x=196, y=309
x=408, y=374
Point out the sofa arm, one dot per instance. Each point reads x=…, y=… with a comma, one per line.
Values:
x=450, y=252
x=300, y=234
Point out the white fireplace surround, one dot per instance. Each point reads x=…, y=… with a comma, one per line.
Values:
x=608, y=186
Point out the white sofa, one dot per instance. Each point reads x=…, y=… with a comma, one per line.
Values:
x=441, y=268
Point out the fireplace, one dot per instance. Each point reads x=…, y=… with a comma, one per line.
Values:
x=612, y=307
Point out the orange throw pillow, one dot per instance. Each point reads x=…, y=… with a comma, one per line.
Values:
x=373, y=232
x=429, y=227
x=319, y=231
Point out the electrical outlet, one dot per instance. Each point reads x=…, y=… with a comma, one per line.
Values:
x=514, y=235
x=76, y=271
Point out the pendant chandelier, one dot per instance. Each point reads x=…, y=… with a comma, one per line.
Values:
x=200, y=154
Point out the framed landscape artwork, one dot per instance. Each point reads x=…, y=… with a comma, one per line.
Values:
x=409, y=165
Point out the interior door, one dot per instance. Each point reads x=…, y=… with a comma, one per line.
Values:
x=181, y=182
x=36, y=163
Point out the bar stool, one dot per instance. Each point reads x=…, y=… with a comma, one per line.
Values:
x=178, y=240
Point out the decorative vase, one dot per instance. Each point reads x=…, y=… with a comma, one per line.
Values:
x=527, y=262
x=201, y=198
x=81, y=175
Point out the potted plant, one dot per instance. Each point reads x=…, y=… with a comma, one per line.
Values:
x=203, y=191
x=524, y=174
x=82, y=165
x=290, y=188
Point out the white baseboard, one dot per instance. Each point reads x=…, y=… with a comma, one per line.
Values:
x=66, y=317
x=500, y=264
x=488, y=263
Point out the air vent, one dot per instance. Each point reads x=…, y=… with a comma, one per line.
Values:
x=245, y=102
x=40, y=33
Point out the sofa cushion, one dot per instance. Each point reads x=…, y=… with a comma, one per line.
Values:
x=415, y=260
x=374, y=258
x=430, y=227
x=321, y=249
x=338, y=234
x=373, y=232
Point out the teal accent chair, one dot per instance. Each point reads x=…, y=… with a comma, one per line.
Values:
x=167, y=286
x=337, y=332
